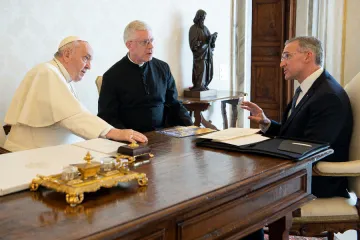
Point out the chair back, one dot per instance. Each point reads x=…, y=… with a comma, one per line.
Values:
x=352, y=89
x=2, y=136
x=98, y=83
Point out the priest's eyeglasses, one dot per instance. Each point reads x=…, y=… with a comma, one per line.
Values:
x=144, y=42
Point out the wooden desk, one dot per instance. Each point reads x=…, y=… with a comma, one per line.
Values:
x=193, y=193
x=199, y=105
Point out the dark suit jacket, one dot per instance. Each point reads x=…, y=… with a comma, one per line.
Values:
x=141, y=98
x=323, y=114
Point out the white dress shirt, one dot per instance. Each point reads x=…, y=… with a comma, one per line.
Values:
x=305, y=86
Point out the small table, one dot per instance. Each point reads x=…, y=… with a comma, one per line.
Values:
x=199, y=105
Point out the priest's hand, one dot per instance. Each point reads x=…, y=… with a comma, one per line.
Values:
x=128, y=135
x=257, y=114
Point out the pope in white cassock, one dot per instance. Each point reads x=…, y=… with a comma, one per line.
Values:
x=45, y=110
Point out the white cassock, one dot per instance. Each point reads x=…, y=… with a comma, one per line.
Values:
x=46, y=112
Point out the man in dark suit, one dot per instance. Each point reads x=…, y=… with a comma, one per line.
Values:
x=139, y=91
x=320, y=110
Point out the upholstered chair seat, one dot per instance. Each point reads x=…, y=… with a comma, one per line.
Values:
x=327, y=216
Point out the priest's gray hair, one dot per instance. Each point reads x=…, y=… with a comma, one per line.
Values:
x=67, y=47
x=307, y=43
x=135, y=26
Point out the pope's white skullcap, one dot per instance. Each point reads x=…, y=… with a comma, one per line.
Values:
x=69, y=40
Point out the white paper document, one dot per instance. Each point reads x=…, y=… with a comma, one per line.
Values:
x=18, y=169
x=100, y=145
x=240, y=141
x=230, y=133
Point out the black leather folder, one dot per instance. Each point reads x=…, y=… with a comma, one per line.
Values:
x=276, y=147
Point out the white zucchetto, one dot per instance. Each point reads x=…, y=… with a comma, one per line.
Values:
x=69, y=40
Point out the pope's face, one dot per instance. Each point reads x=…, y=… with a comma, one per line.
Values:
x=80, y=61
x=141, y=46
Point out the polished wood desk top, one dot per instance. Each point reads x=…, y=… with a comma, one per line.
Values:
x=183, y=179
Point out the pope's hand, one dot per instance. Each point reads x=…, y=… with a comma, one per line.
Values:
x=126, y=135
x=257, y=114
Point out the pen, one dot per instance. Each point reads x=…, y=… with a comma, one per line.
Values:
x=302, y=144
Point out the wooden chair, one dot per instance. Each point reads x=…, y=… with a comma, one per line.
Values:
x=326, y=216
x=98, y=83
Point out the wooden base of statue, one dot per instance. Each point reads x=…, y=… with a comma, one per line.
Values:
x=200, y=94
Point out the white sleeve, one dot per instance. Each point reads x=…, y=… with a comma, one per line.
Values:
x=264, y=127
x=86, y=125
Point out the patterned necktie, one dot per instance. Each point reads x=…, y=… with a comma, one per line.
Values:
x=296, y=96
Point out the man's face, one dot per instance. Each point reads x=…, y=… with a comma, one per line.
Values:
x=293, y=61
x=79, y=61
x=141, y=46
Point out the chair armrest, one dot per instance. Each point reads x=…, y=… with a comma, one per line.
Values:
x=344, y=169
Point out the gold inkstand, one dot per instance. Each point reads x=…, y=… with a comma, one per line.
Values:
x=77, y=179
x=88, y=169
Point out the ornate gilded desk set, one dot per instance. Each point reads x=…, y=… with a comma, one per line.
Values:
x=134, y=151
x=77, y=179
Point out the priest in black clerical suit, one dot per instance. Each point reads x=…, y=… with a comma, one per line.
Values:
x=139, y=91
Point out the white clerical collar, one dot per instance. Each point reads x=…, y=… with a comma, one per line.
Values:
x=309, y=81
x=140, y=65
x=63, y=70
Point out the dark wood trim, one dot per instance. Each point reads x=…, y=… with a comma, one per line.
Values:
x=290, y=30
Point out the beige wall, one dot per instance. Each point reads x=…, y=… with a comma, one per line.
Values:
x=352, y=39
x=337, y=24
x=31, y=30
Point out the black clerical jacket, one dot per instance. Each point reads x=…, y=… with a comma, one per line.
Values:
x=141, y=98
x=323, y=114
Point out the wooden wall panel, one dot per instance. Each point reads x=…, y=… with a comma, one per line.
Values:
x=272, y=24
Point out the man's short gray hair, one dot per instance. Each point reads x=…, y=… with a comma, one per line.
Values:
x=313, y=44
x=67, y=47
x=135, y=26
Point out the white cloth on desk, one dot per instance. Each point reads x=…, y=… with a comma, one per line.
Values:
x=45, y=111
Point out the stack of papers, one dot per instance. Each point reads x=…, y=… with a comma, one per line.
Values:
x=100, y=145
x=236, y=136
